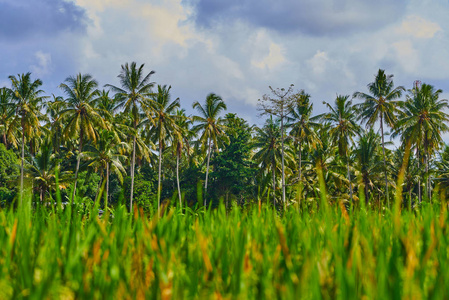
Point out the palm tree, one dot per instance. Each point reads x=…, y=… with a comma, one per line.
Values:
x=181, y=139
x=302, y=127
x=165, y=126
x=321, y=161
x=211, y=126
x=132, y=96
x=105, y=104
x=423, y=121
x=268, y=149
x=368, y=158
x=342, y=118
x=56, y=123
x=6, y=114
x=380, y=105
x=443, y=171
x=43, y=168
x=28, y=100
x=280, y=107
x=106, y=157
x=81, y=117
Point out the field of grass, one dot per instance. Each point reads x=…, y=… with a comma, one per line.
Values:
x=243, y=254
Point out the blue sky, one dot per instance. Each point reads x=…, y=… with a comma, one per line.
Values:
x=233, y=48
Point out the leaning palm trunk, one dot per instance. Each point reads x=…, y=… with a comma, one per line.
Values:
x=207, y=171
x=177, y=178
x=385, y=162
x=77, y=164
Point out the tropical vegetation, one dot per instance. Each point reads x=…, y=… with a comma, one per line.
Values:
x=116, y=191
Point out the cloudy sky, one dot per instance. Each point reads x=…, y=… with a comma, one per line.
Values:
x=233, y=48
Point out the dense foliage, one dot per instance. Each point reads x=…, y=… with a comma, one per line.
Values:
x=188, y=200
x=133, y=143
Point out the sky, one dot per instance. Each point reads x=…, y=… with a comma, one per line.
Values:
x=233, y=48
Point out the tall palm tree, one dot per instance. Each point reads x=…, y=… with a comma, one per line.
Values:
x=211, y=125
x=28, y=103
x=301, y=126
x=368, y=158
x=132, y=96
x=6, y=114
x=181, y=139
x=267, y=143
x=43, y=168
x=106, y=157
x=105, y=105
x=278, y=106
x=423, y=121
x=165, y=126
x=321, y=161
x=342, y=118
x=443, y=171
x=56, y=123
x=380, y=105
x=82, y=118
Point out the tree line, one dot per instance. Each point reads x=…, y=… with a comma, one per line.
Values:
x=134, y=144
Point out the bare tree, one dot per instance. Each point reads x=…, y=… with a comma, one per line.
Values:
x=278, y=104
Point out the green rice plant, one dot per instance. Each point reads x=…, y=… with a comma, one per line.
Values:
x=252, y=253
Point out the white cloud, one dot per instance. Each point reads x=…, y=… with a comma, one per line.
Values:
x=274, y=59
x=318, y=62
x=419, y=27
x=236, y=60
x=164, y=22
x=407, y=55
x=43, y=65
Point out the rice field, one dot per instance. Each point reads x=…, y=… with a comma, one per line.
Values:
x=251, y=253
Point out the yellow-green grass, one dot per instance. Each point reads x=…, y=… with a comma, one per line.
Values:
x=243, y=254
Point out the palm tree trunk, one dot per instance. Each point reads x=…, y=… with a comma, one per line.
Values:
x=410, y=199
x=282, y=151
x=107, y=186
x=274, y=184
x=5, y=141
x=21, y=168
x=419, y=181
x=349, y=178
x=207, y=171
x=177, y=178
x=300, y=174
x=429, y=188
x=159, y=180
x=227, y=199
x=132, y=173
x=80, y=148
x=385, y=162
x=366, y=193
x=426, y=162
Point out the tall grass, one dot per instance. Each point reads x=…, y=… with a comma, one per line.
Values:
x=247, y=254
